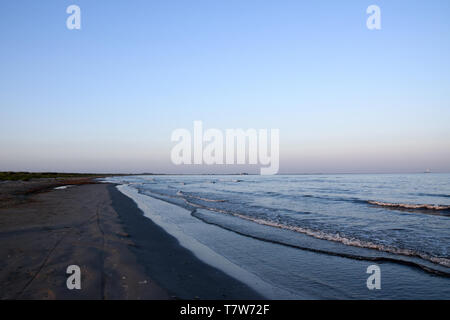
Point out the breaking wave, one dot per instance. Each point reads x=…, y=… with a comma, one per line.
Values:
x=333, y=237
x=328, y=252
x=409, y=206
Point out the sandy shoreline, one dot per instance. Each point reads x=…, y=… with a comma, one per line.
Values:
x=171, y=265
x=122, y=254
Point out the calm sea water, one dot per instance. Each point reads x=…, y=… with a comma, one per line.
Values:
x=328, y=226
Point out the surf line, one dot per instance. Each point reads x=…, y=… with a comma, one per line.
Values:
x=193, y=212
x=331, y=253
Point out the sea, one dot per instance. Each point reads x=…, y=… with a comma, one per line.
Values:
x=310, y=236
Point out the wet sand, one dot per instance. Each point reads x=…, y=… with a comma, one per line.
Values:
x=121, y=254
x=173, y=266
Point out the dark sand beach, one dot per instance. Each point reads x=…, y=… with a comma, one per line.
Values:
x=122, y=254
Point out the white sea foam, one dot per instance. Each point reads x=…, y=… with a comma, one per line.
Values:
x=334, y=237
x=350, y=242
x=62, y=187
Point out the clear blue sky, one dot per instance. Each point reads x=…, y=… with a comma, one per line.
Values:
x=106, y=98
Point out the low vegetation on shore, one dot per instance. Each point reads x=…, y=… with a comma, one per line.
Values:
x=26, y=176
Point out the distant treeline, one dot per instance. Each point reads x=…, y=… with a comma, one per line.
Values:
x=25, y=176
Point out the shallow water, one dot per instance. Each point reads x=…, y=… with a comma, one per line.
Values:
x=315, y=235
